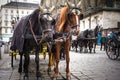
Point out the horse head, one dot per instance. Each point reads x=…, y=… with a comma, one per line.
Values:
x=47, y=26
x=68, y=20
x=73, y=17
x=47, y=22
x=97, y=29
x=42, y=24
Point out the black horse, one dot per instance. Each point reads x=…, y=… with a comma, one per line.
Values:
x=30, y=32
x=82, y=41
x=88, y=38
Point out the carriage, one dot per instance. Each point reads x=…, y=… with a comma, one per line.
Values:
x=113, y=47
x=87, y=39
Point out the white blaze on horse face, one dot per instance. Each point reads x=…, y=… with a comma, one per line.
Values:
x=77, y=21
x=76, y=29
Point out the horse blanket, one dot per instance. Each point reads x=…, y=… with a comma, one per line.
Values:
x=18, y=35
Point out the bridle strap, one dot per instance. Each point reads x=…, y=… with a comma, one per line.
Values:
x=69, y=23
x=34, y=34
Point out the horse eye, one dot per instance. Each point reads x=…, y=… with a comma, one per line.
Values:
x=53, y=22
x=81, y=16
x=68, y=15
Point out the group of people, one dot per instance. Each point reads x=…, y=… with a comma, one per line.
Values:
x=102, y=38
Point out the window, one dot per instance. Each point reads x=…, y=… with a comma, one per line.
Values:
x=96, y=1
x=11, y=11
x=11, y=17
x=5, y=30
x=6, y=16
x=27, y=12
x=109, y=3
x=118, y=25
x=6, y=11
x=25, y=0
x=22, y=12
x=17, y=11
x=117, y=3
x=96, y=19
x=11, y=30
x=6, y=23
x=84, y=24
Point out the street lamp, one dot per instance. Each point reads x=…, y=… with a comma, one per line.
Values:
x=13, y=22
x=89, y=12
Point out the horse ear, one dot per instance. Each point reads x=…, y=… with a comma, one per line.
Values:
x=79, y=3
x=52, y=9
x=41, y=9
x=68, y=3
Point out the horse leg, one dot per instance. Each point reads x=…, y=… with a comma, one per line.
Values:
x=57, y=57
x=38, y=75
x=26, y=64
x=20, y=63
x=67, y=59
x=51, y=61
x=90, y=46
x=85, y=44
x=80, y=46
x=94, y=47
x=76, y=46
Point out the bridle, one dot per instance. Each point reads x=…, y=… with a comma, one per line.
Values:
x=48, y=15
x=68, y=16
x=43, y=31
x=67, y=35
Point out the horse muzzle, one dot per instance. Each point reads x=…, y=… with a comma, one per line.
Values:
x=48, y=37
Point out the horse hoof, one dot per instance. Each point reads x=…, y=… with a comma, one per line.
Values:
x=53, y=78
x=25, y=78
x=49, y=70
x=20, y=70
x=39, y=78
x=68, y=78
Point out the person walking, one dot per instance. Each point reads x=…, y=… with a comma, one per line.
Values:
x=103, y=42
x=99, y=38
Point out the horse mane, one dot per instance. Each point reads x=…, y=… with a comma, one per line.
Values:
x=34, y=16
x=62, y=18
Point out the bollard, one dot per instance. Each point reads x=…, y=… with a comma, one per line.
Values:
x=0, y=53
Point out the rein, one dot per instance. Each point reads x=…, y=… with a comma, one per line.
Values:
x=34, y=34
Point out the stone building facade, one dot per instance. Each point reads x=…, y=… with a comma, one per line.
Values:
x=13, y=11
x=105, y=13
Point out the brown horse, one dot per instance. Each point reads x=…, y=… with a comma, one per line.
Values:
x=67, y=23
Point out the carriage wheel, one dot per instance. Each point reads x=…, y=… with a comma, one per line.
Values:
x=112, y=51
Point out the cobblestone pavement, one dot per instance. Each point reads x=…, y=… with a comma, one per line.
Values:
x=83, y=66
